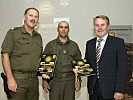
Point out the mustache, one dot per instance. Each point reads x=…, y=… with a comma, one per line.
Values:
x=32, y=21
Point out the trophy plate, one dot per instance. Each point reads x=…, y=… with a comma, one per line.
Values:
x=84, y=69
x=47, y=64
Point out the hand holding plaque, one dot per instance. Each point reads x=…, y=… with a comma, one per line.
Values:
x=84, y=69
x=47, y=64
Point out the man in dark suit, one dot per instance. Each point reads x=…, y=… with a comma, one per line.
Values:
x=108, y=58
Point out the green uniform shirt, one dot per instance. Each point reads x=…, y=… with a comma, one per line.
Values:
x=24, y=50
x=66, y=53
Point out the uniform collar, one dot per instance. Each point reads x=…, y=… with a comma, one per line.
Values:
x=58, y=40
x=23, y=30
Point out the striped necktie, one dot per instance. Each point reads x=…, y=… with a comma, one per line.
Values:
x=98, y=50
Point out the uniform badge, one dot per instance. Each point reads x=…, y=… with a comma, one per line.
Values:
x=64, y=52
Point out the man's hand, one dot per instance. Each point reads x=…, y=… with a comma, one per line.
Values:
x=45, y=76
x=118, y=96
x=75, y=70
x=12, y=85
x=45, y=86
x=77, y=85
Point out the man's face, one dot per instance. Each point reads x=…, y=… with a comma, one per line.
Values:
x=100, y=27
x=31, y=18
x=63, y=29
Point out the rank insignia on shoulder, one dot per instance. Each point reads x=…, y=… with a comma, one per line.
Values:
x=14, y=28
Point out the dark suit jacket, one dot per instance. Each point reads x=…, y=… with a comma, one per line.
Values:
x=112, y=66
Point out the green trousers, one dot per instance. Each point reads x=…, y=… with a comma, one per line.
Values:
x=27, y=89
x=62, y=90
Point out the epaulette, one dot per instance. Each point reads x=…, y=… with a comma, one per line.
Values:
x=14, y=28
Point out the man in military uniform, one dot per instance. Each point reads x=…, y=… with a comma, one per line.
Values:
x=21, y=50
x=62, y=86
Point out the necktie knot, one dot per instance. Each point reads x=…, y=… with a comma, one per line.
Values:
x=99, y=41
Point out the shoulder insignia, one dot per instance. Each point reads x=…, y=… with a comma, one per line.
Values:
x=14, y=28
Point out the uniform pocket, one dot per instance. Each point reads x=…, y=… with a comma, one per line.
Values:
x=22, y=45
x=38, y=48
x=23, y=40
x=39, y=44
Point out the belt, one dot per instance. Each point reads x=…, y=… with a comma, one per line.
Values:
x=24, y=75
x=63, y=75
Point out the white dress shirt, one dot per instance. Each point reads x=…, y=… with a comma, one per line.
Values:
x=102, y=43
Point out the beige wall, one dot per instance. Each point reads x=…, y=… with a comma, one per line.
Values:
x=80, y=12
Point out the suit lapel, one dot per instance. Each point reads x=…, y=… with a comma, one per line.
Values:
x=94, y=48
x=106, y=47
